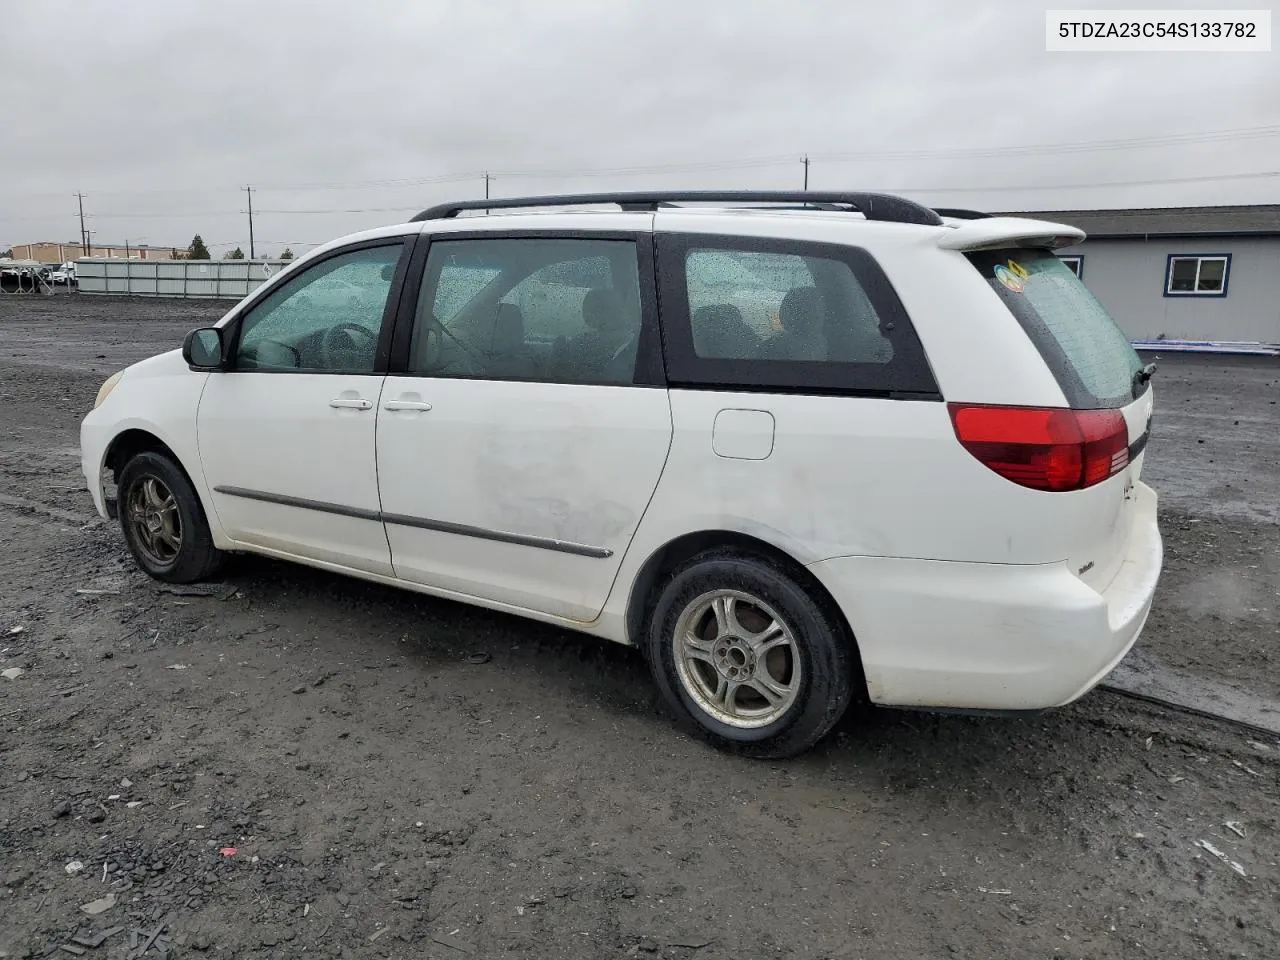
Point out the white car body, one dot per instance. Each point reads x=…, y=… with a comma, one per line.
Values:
x=556, y=501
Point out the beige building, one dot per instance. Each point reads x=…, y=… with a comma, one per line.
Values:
x=1181, y=273
x=51, y=252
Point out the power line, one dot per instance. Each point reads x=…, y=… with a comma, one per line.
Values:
x=388, y=182
x=192, y=214
x=950, y=154
x=283, y=187
x=287, y=243
x=995, y=189
x=412, y=207
x=1088, y=146
x=691, y=167
x=295, y=245
x=1013, y=188
x=989, y=188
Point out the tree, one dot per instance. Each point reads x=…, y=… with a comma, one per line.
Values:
x=8, y=254
x=197, y=250
x=287, y=255
x=236, y=254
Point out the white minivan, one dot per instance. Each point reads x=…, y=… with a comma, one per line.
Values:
x=799, y=448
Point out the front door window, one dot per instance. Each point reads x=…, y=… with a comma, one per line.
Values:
x=327, y=319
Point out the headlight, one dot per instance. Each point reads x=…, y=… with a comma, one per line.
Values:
x=105, y=390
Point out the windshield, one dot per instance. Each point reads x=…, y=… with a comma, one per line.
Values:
x=1088, y=353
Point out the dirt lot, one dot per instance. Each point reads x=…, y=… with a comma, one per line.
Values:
x=1215, y=461
x=385, y=796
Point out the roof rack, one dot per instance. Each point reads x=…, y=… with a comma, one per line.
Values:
x=959, y=214
x=873, y=206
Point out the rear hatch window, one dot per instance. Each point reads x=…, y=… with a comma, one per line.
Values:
x=1089, y=355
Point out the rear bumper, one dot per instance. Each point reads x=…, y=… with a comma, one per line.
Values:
x=985, y=636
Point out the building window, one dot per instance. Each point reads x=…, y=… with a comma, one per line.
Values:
x=1197, y=275
x=1075, y=265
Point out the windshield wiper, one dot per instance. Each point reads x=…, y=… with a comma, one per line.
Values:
x=1142, y=377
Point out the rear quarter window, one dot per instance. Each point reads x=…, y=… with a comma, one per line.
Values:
x=769, y=314
x=1090, y=356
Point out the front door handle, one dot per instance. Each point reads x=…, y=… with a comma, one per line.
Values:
x=406, y=405
x=351, y=403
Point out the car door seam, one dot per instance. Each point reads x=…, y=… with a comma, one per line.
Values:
x=204, y=476
x=671, y=422
x=377, y=476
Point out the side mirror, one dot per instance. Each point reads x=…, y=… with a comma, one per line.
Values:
x=203, y=349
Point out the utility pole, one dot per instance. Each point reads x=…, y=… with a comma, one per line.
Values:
x=487, y=178
x=84, y=239
x=126, y=249
x=805, y=161
x=88, y=243
x=249, y=191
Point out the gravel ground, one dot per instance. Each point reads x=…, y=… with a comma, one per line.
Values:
x=298, y=764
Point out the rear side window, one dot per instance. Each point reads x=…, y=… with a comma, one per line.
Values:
x=750, y=313
x=1088, y=353
x=526, y=308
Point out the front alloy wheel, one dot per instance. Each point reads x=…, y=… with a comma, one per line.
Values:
x=163, y=521
x=156, y=525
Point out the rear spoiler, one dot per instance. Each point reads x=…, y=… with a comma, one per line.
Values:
x=994, y=232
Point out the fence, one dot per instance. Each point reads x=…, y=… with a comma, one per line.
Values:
x=228, y=279
x=24, y=277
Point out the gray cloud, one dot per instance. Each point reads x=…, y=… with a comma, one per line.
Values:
x=160, y=111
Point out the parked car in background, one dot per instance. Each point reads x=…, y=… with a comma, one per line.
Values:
x=24, y=276
x=823, y=447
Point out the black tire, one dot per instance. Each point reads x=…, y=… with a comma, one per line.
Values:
x=194, y=557
x=816, y=639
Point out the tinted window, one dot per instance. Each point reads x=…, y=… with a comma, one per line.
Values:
x=326, y=318
x=1090, y=356
x=460, y=286
x=791, y=315
x=529, y=309
x=1182, y=274
x=780, y=306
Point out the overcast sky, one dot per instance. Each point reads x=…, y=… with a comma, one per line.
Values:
x=160, y=111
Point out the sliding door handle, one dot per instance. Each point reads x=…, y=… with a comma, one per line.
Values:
x=406, y=405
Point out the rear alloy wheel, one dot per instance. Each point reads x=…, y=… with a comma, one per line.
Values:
x=748, y=657
x=737, y=658
x=163, y=521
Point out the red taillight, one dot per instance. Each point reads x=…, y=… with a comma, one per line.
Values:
x=1045, y=448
